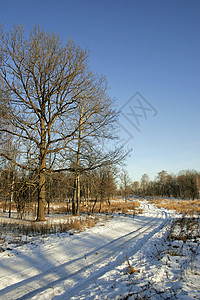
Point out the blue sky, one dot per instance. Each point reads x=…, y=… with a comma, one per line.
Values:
x=151, y=47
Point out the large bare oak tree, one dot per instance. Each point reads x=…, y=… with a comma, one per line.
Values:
x=47, y=89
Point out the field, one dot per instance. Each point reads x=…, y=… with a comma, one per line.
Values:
x=135, y=249
x=188, y=207
x=58, y=220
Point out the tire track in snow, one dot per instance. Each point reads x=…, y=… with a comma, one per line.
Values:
x=71, y=272
x=139, y=239
x=25, y=268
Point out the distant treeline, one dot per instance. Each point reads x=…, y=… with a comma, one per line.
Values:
x=185, y=185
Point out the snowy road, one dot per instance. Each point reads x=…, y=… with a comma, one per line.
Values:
x=60, y=267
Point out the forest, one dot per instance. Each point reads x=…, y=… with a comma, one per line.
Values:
x=19, y=190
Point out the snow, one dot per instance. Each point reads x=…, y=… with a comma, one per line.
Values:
x=95, y=263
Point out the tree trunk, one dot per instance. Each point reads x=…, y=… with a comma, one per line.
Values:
x=88, y=197
x=49, y=198
x=100, y=205
x=42, y=167
x=5, y=203
x=11, y=196
x=41, y=197
x=95, y=202
x=74, y=199
x=48, y=207
x=76, y=195
x=78, y=198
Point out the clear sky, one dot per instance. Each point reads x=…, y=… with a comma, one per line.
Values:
x=151, y=47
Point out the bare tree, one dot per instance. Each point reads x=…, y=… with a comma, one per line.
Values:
x=135, y=187
x=96, y=117
x=9, y=149
x=161, y=180
x=42, y=80
x=144, y=183
x=188, y=184
x=125, y=183
x=45, y=86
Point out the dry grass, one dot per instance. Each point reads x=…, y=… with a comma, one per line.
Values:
x=47, y=227
x=115, y=206
x=188, y=207
x=60, y=208
x=131, y=270
x=185, y=228
x=60, y=219
x=20, y=232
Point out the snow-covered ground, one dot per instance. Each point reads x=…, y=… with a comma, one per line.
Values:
x=125, y=257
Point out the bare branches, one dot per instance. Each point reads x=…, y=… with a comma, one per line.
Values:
x=54, y=104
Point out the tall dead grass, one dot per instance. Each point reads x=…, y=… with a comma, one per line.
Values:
x=48, y=227
x=114, y=206
x=28, y=226
x=188, y=207
x=185, y=228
